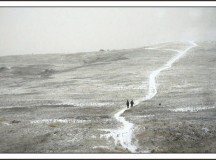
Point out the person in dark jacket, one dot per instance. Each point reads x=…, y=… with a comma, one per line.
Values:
x=132, y=103
x=127, y=103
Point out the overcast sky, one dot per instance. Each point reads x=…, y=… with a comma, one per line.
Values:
x=68, y=30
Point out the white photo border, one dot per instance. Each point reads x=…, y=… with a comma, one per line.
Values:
x=107, y=4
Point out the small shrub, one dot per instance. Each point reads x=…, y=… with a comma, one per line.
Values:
x=15, y=121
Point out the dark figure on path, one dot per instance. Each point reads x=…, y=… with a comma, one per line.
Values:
x=127, y=103
x=132, y=103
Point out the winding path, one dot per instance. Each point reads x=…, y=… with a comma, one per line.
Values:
x=123, y=135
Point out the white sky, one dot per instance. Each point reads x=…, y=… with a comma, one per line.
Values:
x=27, y=30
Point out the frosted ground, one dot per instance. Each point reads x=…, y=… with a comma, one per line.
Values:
x=69, y=103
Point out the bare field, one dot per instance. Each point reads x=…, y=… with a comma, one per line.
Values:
x=65, y=103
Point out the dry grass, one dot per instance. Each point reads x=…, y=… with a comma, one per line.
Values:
x=53, y=124
x=120, y=149
x=2, y=120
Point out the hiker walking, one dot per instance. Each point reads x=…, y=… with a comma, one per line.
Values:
x=132, y=103
x=127, y=103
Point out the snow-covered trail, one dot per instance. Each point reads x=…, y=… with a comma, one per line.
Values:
x=123, y=135
x=152, y=91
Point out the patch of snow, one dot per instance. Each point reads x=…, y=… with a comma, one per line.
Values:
x=9, y=107
x=206, y=130
x=78, y=104
x=47, y=121
x=191, y=109
x=121, y=88
x=143, y=116
x=95, y=147
x=93, y=136
x=6, y=123
x=17, y=90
